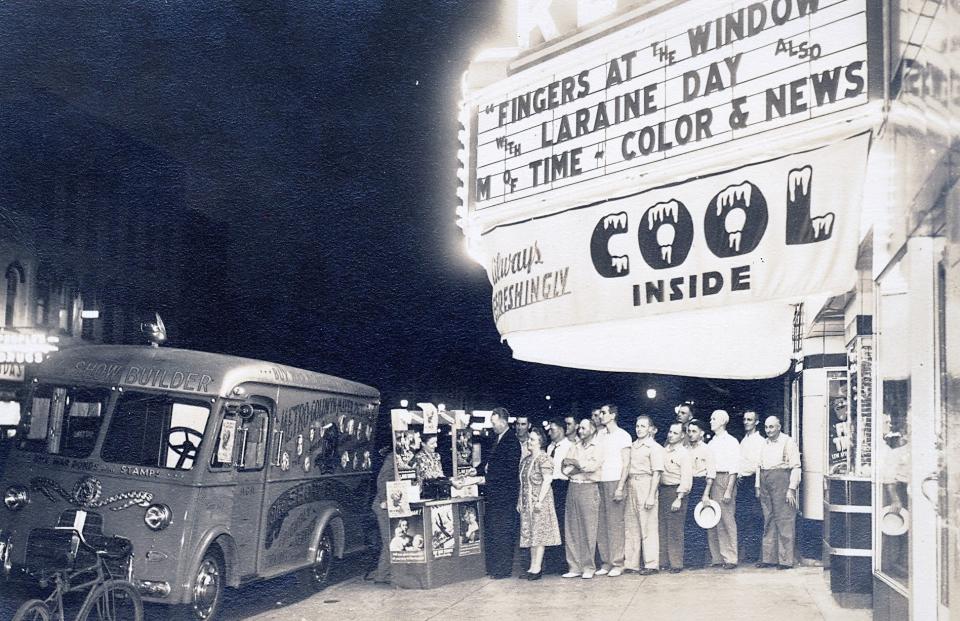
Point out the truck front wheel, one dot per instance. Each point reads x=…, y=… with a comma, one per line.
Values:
x=206, y=595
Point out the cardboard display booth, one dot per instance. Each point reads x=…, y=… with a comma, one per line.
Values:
x=436, y=521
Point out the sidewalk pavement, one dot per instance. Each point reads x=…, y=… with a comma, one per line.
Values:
x=708, y=595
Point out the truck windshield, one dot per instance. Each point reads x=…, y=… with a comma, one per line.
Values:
x=64, y=420
x=156, y=431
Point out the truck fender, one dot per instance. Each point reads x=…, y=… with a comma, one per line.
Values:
x=219, y=536
x=329, y=514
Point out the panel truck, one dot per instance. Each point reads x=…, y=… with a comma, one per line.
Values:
x=219, y=470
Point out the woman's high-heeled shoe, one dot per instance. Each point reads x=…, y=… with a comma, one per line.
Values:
x=534, y=576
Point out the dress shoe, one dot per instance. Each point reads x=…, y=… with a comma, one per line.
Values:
x=647, y=571
x=614, y=572
x=675, y=570
x=729, y=566
x=524, y=576
x=534, y=576
x=570, y=574
x=603, y=571
x=588, y=575
x=716, y=565
x=784, y=566
x=763, y=565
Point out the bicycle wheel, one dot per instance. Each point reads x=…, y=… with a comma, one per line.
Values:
x=33, y=610
x=114, y=600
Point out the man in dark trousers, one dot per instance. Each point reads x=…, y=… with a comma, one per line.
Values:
x=501, y=522
x=381, y=575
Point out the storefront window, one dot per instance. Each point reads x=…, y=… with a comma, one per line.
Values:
x=894, y=442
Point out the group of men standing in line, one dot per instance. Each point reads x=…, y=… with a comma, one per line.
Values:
x=632, y=502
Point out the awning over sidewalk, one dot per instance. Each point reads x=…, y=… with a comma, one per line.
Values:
x=744, y=342
x=693, y=278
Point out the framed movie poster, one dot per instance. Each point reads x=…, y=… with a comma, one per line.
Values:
x=469, y=528
x=442, y=529
x=407, y=543
x=838, y=423
x=405, y=445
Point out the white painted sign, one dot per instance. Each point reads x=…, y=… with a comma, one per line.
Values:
x=691, y=78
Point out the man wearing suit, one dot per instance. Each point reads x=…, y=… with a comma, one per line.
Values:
x=501, y=523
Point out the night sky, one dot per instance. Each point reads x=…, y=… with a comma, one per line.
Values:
x=321, y=138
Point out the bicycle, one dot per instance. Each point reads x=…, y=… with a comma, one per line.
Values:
x=108, y=598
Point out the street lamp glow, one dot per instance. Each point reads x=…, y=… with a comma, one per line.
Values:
x=404, y=403
x=651, y=393
x=547, y=397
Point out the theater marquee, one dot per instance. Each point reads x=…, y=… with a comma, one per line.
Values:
x=679, y=82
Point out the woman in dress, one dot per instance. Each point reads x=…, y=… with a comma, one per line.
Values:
x=427, y=462
x=538, y=518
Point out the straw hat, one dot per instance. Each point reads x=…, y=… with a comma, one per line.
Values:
x=707, y=514
x=894, y=522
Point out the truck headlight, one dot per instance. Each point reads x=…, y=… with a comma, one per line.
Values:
x=157, y=516
x=16, y=497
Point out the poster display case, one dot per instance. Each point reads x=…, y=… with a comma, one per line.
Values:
x=848, y=490
x=436, y=514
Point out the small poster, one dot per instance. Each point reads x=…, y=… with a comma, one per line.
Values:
x=399, y=418
x=464, y=451
x=839, y=421
x=442, y=531
x=405, y=446
x=398, y=498
x=406, y=544
x=228, y=431
x=469, y=529
x=431, y=418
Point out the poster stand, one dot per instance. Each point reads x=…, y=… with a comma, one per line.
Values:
x=435, y=541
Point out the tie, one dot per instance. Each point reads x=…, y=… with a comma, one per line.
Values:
x=553, y=449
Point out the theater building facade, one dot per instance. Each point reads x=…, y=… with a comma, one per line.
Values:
x=746, y=189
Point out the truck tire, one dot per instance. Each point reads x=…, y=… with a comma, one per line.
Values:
x=317, y=576
x=206, y=595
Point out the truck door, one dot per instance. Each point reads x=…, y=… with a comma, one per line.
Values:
x=243, y=441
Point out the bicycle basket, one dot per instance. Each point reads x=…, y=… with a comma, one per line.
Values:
x=51, y=549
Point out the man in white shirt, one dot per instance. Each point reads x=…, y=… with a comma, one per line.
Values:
x=722, y=538
x=610, y=540
x=554, y=559
x=777, y=488
x=581, y=522
x=639, y=484
x=749, y=515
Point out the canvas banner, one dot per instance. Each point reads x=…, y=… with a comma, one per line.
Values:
x=776, y=230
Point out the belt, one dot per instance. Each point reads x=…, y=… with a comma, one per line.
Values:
x=637, y=476
x=575, y=481
x=669, y=485
x=723, y=472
